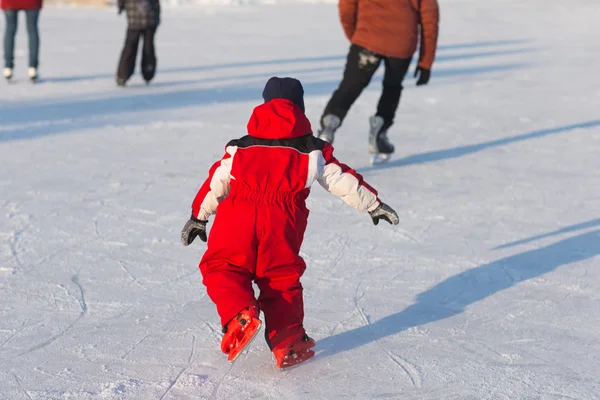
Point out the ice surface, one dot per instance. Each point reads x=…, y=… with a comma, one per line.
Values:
x=488, y=289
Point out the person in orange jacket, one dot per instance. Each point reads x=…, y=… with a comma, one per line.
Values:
x=258, y=191
x=388, y=31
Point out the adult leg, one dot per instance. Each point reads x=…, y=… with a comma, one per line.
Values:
x=32, y=17
x=395, y=70
x=361, y=64
x=9, y=37
x=128, y=55
x=149, y=55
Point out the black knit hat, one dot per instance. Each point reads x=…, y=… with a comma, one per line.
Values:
x=284, y=88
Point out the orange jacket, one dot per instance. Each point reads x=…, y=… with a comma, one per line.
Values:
x=391, y=27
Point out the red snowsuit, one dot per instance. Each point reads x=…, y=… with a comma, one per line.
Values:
x=260, y=187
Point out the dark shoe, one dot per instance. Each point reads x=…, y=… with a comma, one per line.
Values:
x=148, y=73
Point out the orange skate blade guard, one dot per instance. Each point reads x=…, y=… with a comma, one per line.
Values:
x=295, y=354
x=291, y=360
x=251, y=329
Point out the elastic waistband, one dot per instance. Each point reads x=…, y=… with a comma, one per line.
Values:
x=267, y=197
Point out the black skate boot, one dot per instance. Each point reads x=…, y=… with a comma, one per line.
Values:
x=148, y=73
x=380, y=147
x=329, y=124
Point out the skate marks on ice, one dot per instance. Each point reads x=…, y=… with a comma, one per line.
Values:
x=21, y=386
x=451, y=296
x=189, y=364
x=408, y=368
x=20, y=222
x=63, y=332
x=461, y=151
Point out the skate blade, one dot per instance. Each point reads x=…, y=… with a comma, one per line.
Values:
x=233, y=356
x=326, y=138
x=379, y=158
x=300, y=358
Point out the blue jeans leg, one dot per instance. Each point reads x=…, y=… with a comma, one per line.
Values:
x=34, y=37
x=9, y=37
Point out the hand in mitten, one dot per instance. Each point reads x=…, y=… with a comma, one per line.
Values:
x=194, y=227
x=121, y=7
x=423, y=74
x=384, y=212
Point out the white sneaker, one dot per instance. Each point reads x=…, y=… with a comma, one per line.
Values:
x=32, y=72
x=7, y=72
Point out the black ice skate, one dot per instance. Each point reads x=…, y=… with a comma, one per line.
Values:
x=380, y=147
x=121, y=82
x=329, y=124
x=148, y=73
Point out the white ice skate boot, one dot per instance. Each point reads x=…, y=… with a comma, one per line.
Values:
x=380, y=147
x=8, y=73
x=32, y=73
x=329, y=125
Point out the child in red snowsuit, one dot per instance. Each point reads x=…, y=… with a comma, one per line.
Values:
x=258, y=191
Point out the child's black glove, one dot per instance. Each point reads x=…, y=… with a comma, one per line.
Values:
x=384, y=212
x=424, y=76
x=194, y=227
x=121, y=5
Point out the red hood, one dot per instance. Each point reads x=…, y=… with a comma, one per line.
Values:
x=278, y=119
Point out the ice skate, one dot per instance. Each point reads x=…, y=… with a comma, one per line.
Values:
x=240, y=331
x=148, y=73
x=294, y=353
x=8, y=73
x=329, y=124
x=121, y=82
x=32, y=72
x=380, y=147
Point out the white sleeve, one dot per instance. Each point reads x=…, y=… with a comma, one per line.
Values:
x=347, y=184
x=219, y=186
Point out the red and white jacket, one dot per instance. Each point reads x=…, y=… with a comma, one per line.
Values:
x=280, y=159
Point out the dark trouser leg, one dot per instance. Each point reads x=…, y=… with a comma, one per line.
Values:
x=9, y=37
x=129, y=54
x=360, y=67
x=148, y=55
x=33, y=35
x=395, y=69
